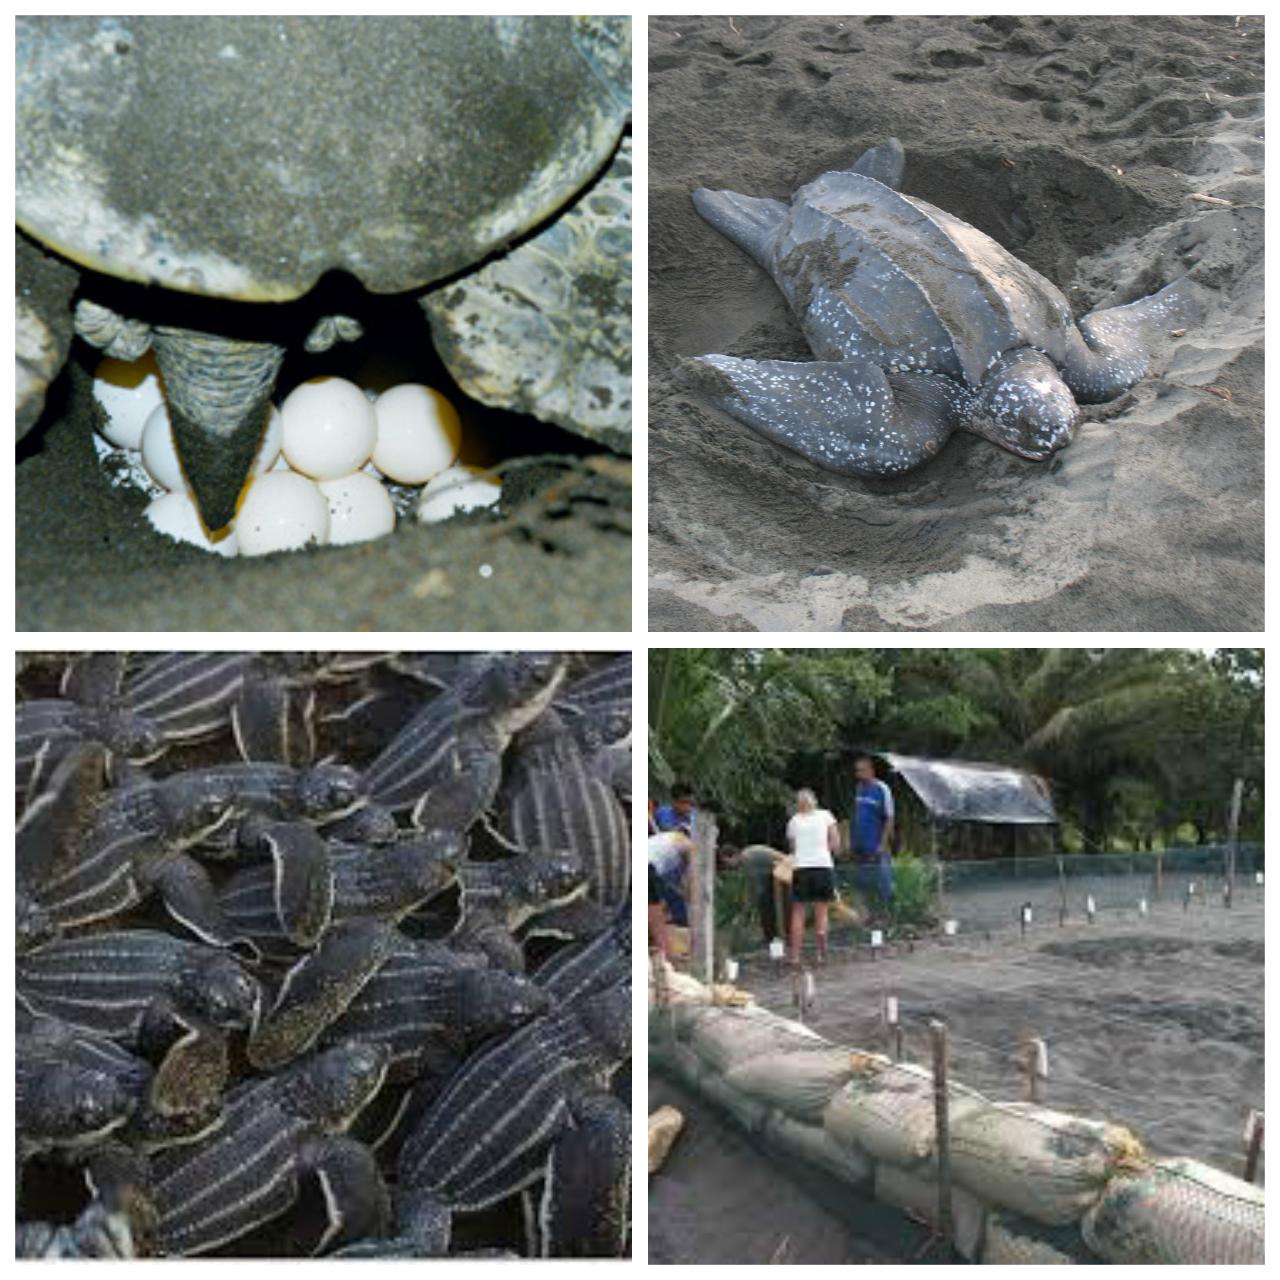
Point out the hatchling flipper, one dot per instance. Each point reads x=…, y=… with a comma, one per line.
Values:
x=585, y=1206
x=318, y=988
x=271, y=724
x=354, y=1193
x=193, y=1068
x=303, y=882
x=188, y=895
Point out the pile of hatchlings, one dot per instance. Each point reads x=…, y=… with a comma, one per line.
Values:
x=323, y=954
x=337, y=464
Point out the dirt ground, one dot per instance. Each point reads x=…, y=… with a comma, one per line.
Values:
x=1077, y=143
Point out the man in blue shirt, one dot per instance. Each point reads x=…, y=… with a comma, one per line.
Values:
x=871, y=832
x=679, y=814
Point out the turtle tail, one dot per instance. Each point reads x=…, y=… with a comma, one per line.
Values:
x=218, y=391
x=1115, y=351
x=846, y=415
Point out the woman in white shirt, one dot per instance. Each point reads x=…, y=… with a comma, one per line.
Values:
x=814, y=838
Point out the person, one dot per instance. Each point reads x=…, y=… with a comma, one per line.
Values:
x=871, y=833
x=759, y=861
x=679, y=814
x=669, y=854
x=814, y=838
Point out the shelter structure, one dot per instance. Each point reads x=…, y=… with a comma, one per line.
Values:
x=957, y=809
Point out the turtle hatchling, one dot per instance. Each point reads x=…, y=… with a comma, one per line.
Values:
x=285, y=984
x=920, y=325
x=205, y=174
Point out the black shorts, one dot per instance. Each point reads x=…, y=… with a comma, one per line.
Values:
x=655, y=886
x=813, y=884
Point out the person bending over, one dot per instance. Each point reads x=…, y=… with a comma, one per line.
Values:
x=814, y=838
x=669, y=854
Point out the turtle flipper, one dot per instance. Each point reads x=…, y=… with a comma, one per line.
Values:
x=194, y=1066
x=302, y=879
x=581, y=918
x=318, y=988
x=585, y=1207
x=751, y=222
x=883, y=163
x=189, y=897
x=355, y=1196
x=1116, y=351
x=847, y=415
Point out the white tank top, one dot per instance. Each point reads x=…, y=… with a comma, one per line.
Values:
x=808, y=835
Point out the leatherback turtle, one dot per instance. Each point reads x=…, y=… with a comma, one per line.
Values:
x=892, y=292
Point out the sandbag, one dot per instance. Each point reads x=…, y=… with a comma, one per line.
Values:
x=665, y=1125
x=814, y=1146
x=915, y=1190
x=677, y=1060
x=747, y=1112
x=725, y=1038
x=1045, y=1164
x=1177, y=1211
x=1013, y=1240
x=801, y=1084
x=888, y=1113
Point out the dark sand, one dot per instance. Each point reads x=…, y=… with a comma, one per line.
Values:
x=720, y=1199
x=1076, y=143
x=1156, y=1024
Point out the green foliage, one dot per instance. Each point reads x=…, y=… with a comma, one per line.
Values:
x=1137, y=744
x=915, y=885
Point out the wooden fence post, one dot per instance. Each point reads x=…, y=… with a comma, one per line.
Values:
x=939, y=1039
x=702, y=895
x=1254, y=1151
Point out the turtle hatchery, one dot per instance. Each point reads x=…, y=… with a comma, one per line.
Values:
x=325, y=274
x=323, y=954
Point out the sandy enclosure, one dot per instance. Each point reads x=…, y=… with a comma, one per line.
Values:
x=1078, y=144
x=1155, y=1023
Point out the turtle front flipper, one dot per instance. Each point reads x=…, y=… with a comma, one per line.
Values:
x=1116, y=348
x=751, y=222
x=355, y=1195
x=189, y=897
x=586, y=1203
x=271, y=724
x=302, y=881
x=194, y=1064
x=847, y=416
x=319, y=988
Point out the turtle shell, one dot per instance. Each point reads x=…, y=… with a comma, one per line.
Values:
x=245, y=157
x=916, y=278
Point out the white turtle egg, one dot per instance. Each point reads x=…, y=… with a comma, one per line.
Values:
x=360, y=508
x=329, y=428
x=269, y=449
x=127, y=390
x=158, y=454
x=175, y=514
x=419, y=433
x=457, y=489
x=281, y=512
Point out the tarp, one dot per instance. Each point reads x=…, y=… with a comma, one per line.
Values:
x=958, y=791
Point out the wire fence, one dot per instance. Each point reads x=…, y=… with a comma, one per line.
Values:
x=995, y=894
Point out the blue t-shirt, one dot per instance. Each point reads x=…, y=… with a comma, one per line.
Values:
x=872, y=808
x=668, y=818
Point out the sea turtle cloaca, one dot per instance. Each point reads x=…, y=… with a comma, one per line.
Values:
x=920, y=324
x=241, y=159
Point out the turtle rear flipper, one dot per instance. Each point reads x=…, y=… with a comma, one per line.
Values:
x=883, y=163
x=586, y=1204
x=845, y=415
x=355, y=1196
x=751, y=222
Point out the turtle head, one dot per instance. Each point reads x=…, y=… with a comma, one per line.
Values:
x=494, y=1001
x=520, y=688
x=607, y=1017
x=80, y=1105
x=329, y=791
x=553, y=878
x=1024, y=406
x=136, y=738
x=333, y=1087
x=214, y=988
